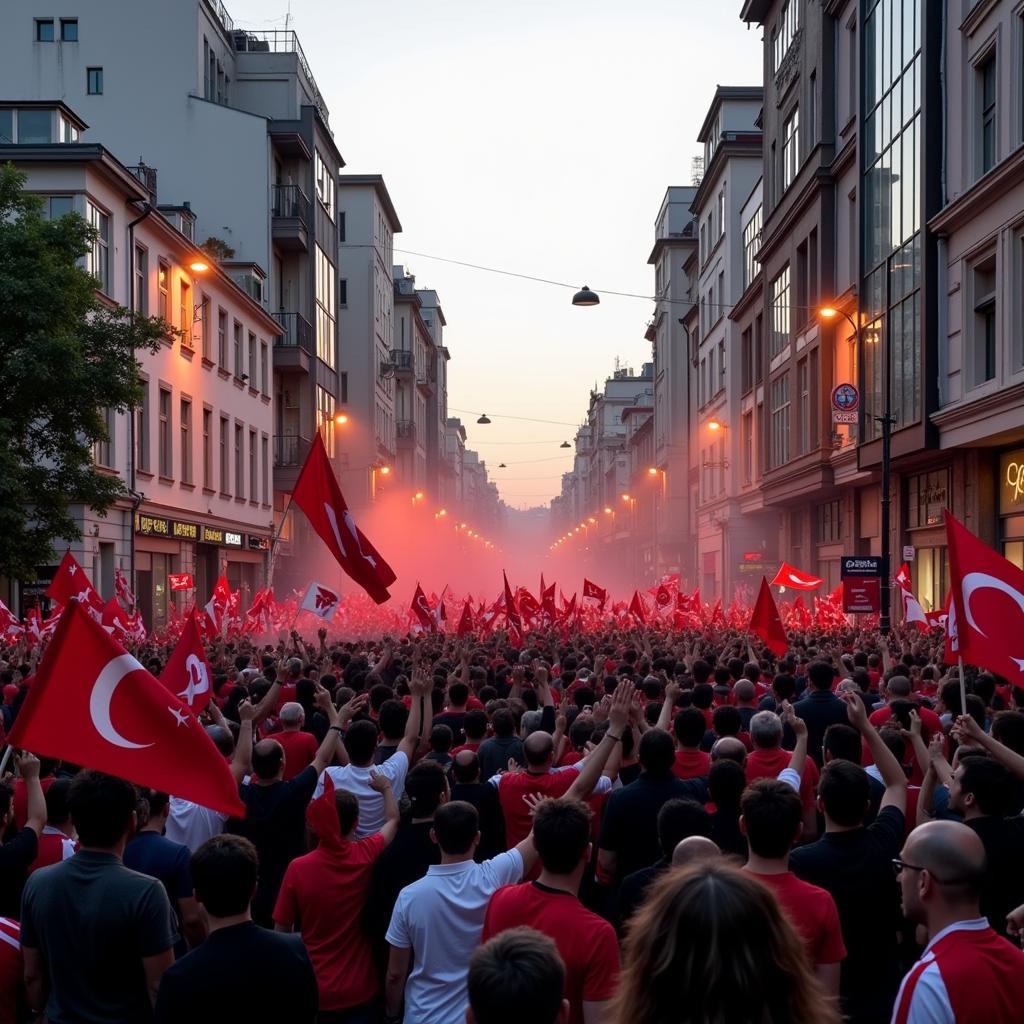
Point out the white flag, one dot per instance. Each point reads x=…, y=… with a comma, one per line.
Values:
x=321, y=601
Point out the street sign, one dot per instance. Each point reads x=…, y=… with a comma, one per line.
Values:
x=860, y=565
x=908, y=552
x=845, y=398
x=842, y=416
x=862, y=595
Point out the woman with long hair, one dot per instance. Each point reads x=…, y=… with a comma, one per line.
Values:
x=711, y=946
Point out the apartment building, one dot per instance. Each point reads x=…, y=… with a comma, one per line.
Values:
x=195, y=455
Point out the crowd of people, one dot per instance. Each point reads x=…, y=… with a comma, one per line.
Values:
x=625, y=827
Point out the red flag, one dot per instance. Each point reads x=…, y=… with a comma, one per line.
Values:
x=903, y=576
x=663, y=597
x=766, y=622
x=318, y=495
x=71, y=583
x=938, y=618
x=717, y=618
x=115, y=622
x=515, y=623
x=987, y=612
x=636, y=607
x=121, y=588
x=420, y=607
x=440, y=613
x=570, y=609
x=216, y=608
x=180, y=581
x=802, y=613
x=187, y=673
x=912, y=610
x=10, y=629
x=94, y=705
x=787, y=576
x=257, y=617
x=465, y=621
x=592, y=590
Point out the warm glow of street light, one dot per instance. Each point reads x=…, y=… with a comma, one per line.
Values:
x=385, y=470
x=341, y=419
x=652, y=471
x=199, y=266
x=607, y=511
x=626, y=497
x=418, y=495
x=714, y=425
x=443, y=512
x=591, y=520
x=828, y=312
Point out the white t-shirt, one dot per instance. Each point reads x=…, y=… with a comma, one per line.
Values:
x=357, y=781
x=440, y=918
x=191, y=825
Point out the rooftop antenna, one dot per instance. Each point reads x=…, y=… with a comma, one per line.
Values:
x=288, y=17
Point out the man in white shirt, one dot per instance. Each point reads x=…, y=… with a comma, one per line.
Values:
x=437, y=921
x=360, y=748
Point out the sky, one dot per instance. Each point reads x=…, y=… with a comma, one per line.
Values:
x=534, y=136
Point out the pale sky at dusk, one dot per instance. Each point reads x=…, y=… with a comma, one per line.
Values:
x=536, y=136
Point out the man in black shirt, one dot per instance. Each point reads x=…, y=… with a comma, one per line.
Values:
x=21, y=851
x=484, y=797
x=854, y=864
x=504, y=744
x=629, y=831
x=221, y=980
x=820, y=708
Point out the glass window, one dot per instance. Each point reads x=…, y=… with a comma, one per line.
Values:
x=58, y=206
x=142, y=429
x=69, y=30
x=237, y=362
x=97, y=259
x=185, y=313
x=208, y=449
x=325, y=307
x=266, y=470
x=804, y=408
x=68, y=132
x=779, y=408
x=254, y=480
x=186, y=441
x=44, y=30
x=252, y=360
x=324, y=184
x=6, y=125
x=163, y=285
x=35, y=127
x=204, y=326
x=780, y=292
x=983, y=334
x=784, y=32
x=790, y=148
x=225, y=458
x=264, y=368
x=105, y=449
x=94, y=81
x=222, y=339
x=325, y=418
x=751, y=243
x=140, y=299
x=239, y=462
x=987, y=94
x=164, y=437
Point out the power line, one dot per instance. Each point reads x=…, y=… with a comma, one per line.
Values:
x=505, y=416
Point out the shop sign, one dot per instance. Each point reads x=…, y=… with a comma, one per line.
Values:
x=212, y=535
x=754, y=567
x=908, y=552
x=259, y=543
x=860, y=565
x=1011, y=482
x=232, y=540
x=152, y=526
x=862, y=595
x=184, y=531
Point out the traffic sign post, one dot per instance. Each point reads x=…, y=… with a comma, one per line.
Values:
x=845, y=404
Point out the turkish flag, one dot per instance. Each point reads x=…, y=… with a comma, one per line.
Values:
x=115, y=622
x=121, y=588
x=986, y=615
x=321, y=600
x=663, y=596
x=912, y=610
x=187, y=673
x=180, y=581
x=10, y=629
x=903, y=576
x=569, y=610
x=440, y=613
x=465, y=621
x=787, y=576
x=592, y=590
x=94, y=705
x=71, y=583
x=216, y=608
x=636, y=607
x=260, y=611
x=514, y=622
x=318, y=495
x=766, y=622
x=547, y=604
x=421, y=609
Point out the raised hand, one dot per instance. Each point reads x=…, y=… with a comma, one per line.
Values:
x=855, y=710
x=379, y=782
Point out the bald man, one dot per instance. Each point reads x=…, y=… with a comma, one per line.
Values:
x=693, y=850
x=729, y=748
x=968, y=974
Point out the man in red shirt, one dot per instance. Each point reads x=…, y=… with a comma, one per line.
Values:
x=578, y=781
x=967, y=974
x=772, y=822
x=57, y=840
x=561, y=833
x=898, y=691
x=768, y=759
x=691, y=762
x=324, y=894
x=299, y=747
x=13, y=999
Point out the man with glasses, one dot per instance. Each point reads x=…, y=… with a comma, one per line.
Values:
x=967, y=974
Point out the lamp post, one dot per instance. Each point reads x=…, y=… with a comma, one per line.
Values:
x=886, y=420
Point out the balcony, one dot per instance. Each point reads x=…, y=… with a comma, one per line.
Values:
x=293, y=349
x=403, y=361
x=290, y=451
x=405, y=432
x=289, y=208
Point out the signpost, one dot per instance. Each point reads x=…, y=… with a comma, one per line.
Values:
x=845, y=404
x=862, y=583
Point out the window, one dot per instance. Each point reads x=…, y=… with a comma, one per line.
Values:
x=790, y=148
x=105, y=449
x=779, y=408
x=746, y=361
x=344, y=386
x=69, y=30
x=343, y=292
x=252, y=360
x=186, y=440
x=97, y=260
x=829, y=522
x=325, y=307
x=324, y=183
x=208, y=449
x=721, y=365
x=719, y=308
x=185, y=312
x=721, y=213
x=701, y=390
x=222, y=339
x=703, y=243
x=803, y=392
x=812, y=402
x=225, y=471
x=94, y=81
x=33, y=126
x=164, y=439
x=239, y=462
x=237, y=361
x=163, y=284
x=264, y=368
x=751, y=243
x=142, y=429
x=747, y=443
x=758, y=349
x=68, y=132
x=785, y=31
x=983, y=336
x=206, y=68
x=140, y=298
x=780, y=313
x=254, y=479
x=986, y=74
x=341, y=225
x=44, y=30
x=812, y=109
x=325, y=418
x=204, y=326
x=266, y=470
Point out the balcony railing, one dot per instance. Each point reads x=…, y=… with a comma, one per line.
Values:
x=405, y=428
x=401, y=358
x=298, y=331
x=290, y=449
x=280, y=41
x=289, y=201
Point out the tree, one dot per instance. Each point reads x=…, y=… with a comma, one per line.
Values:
x=65, y=357
x=218, y=249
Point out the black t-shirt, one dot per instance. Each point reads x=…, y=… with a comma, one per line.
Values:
x=484, y=797
x=633, y=890
x=1003, y=890
x=403, y=862
x=495, y=752
x=241, y=973
x=454, y=720
x=276, y=824
x=725, y=831
x=856, y=868
x=15, y=858
x=630, y=825
x=819, y=709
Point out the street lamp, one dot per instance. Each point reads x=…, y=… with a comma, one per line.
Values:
x=716, y=426
x=198, y=266
x=585, y=297
x=341, y=419
x=886, y=420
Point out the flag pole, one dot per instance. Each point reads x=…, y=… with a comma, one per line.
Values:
x=6, y=758
x=275, y=543
x=963, y=686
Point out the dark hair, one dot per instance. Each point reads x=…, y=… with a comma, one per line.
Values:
x=727, y=721
x=392, y=719
x=845, y=792
x=503, y=722
x=700, y=672
x=456, y=825
x=151, y=804
x=361, y=742
x=703, y=696
x=678, y=819
x=267, y=757
x=689, y=727
x=784, y=686
x=58, y=809
x=425, y=785
x=772, y=812
x=726, y=782
x=989, y=782
x=379, y=693
x=843, y=741
x=441, y=738
x=224, y=872
x=467, y=769
x=458, y=694
x=561, y=833
x=516, y=976
x=6, y=799
x=820, y=674
x=580, y=732
x=347, y=806
x=1008, y=728
x=474, y=725
x=657, y=751
x=101, y=807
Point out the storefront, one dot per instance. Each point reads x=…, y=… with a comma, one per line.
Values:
x=927, y=496
x=1010, y=488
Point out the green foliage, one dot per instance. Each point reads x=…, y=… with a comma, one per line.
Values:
x=218, y=249
x=65, y=357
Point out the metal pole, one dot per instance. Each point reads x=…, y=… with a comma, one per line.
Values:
x=886, y=419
